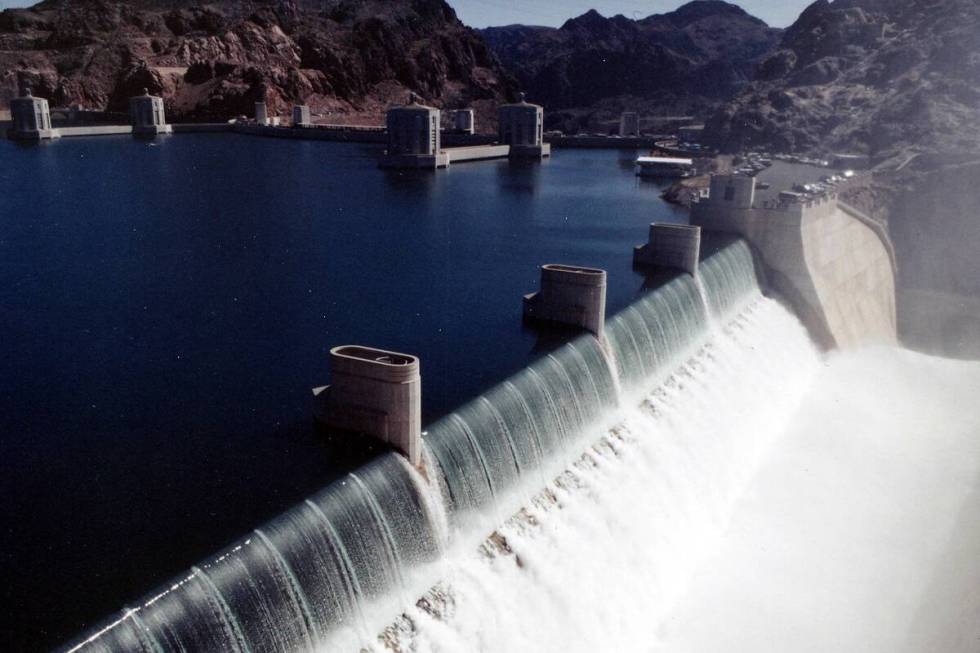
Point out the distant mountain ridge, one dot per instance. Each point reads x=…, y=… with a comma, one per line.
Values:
x=878, y=76
x=699, y=54
x=213, y=60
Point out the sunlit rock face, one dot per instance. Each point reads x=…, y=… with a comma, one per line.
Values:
x=214, y=61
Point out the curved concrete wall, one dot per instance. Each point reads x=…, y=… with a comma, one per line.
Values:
x=375, y=392
x=671, y=245
x=852, y=276
x=570, y=295
x=835, y=269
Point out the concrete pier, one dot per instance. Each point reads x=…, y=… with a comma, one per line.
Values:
x=670, y=246
x=521, y=126
x=414, y=137
x=147, y=116
x=377, y=393
x=569, y=295
x=30, y=119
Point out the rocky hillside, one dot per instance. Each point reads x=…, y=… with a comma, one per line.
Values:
x=212, y=60
x=698, y=55
x=887, y=77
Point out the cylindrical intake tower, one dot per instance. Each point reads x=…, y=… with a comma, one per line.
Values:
x=671, y=246
x=377, y=393
x=571, y=295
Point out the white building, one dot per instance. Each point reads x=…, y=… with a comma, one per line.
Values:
x=414, y=139
x=521, y=126
x=147, y=115
x=31, y=118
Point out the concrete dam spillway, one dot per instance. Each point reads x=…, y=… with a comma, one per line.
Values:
x=673, y=411
x=324, y=572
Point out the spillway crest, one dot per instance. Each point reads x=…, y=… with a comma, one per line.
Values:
x=331, y=572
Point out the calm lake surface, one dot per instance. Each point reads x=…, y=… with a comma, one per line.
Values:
x=166, y=308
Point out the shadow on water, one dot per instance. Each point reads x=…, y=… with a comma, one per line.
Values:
x=409, y=180
x=520, y=175
x=149, y=139
x=346, y=450
x=28, y=145
x=626, y=159
x=550, y=336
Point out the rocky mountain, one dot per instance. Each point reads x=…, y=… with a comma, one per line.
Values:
x=213, y=60
x=685, y=60
x=886, y=77
x=899, y=80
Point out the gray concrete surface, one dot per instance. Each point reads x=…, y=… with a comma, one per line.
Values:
x=147, y=116
x=521, y=125
x=570, y=295
x=301, y=116
x=464, y=121
x=97, y=130
x=477, y=153
x=377, y=393
x=31, y=119
x=414, y=137
x=672, y=246
x=834, y=268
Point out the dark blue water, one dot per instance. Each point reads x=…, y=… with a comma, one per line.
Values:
x=167, y=308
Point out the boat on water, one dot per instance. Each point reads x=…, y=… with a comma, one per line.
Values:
x=664, y=167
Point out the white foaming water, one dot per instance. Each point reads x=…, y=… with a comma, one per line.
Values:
x=861, y=532
x=599, y=567
x=758, y=501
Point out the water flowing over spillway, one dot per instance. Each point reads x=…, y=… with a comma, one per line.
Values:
x=603, y=556
x=859, y=531
x=607, y=473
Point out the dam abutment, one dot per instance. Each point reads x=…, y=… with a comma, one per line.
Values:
x=836, y=270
